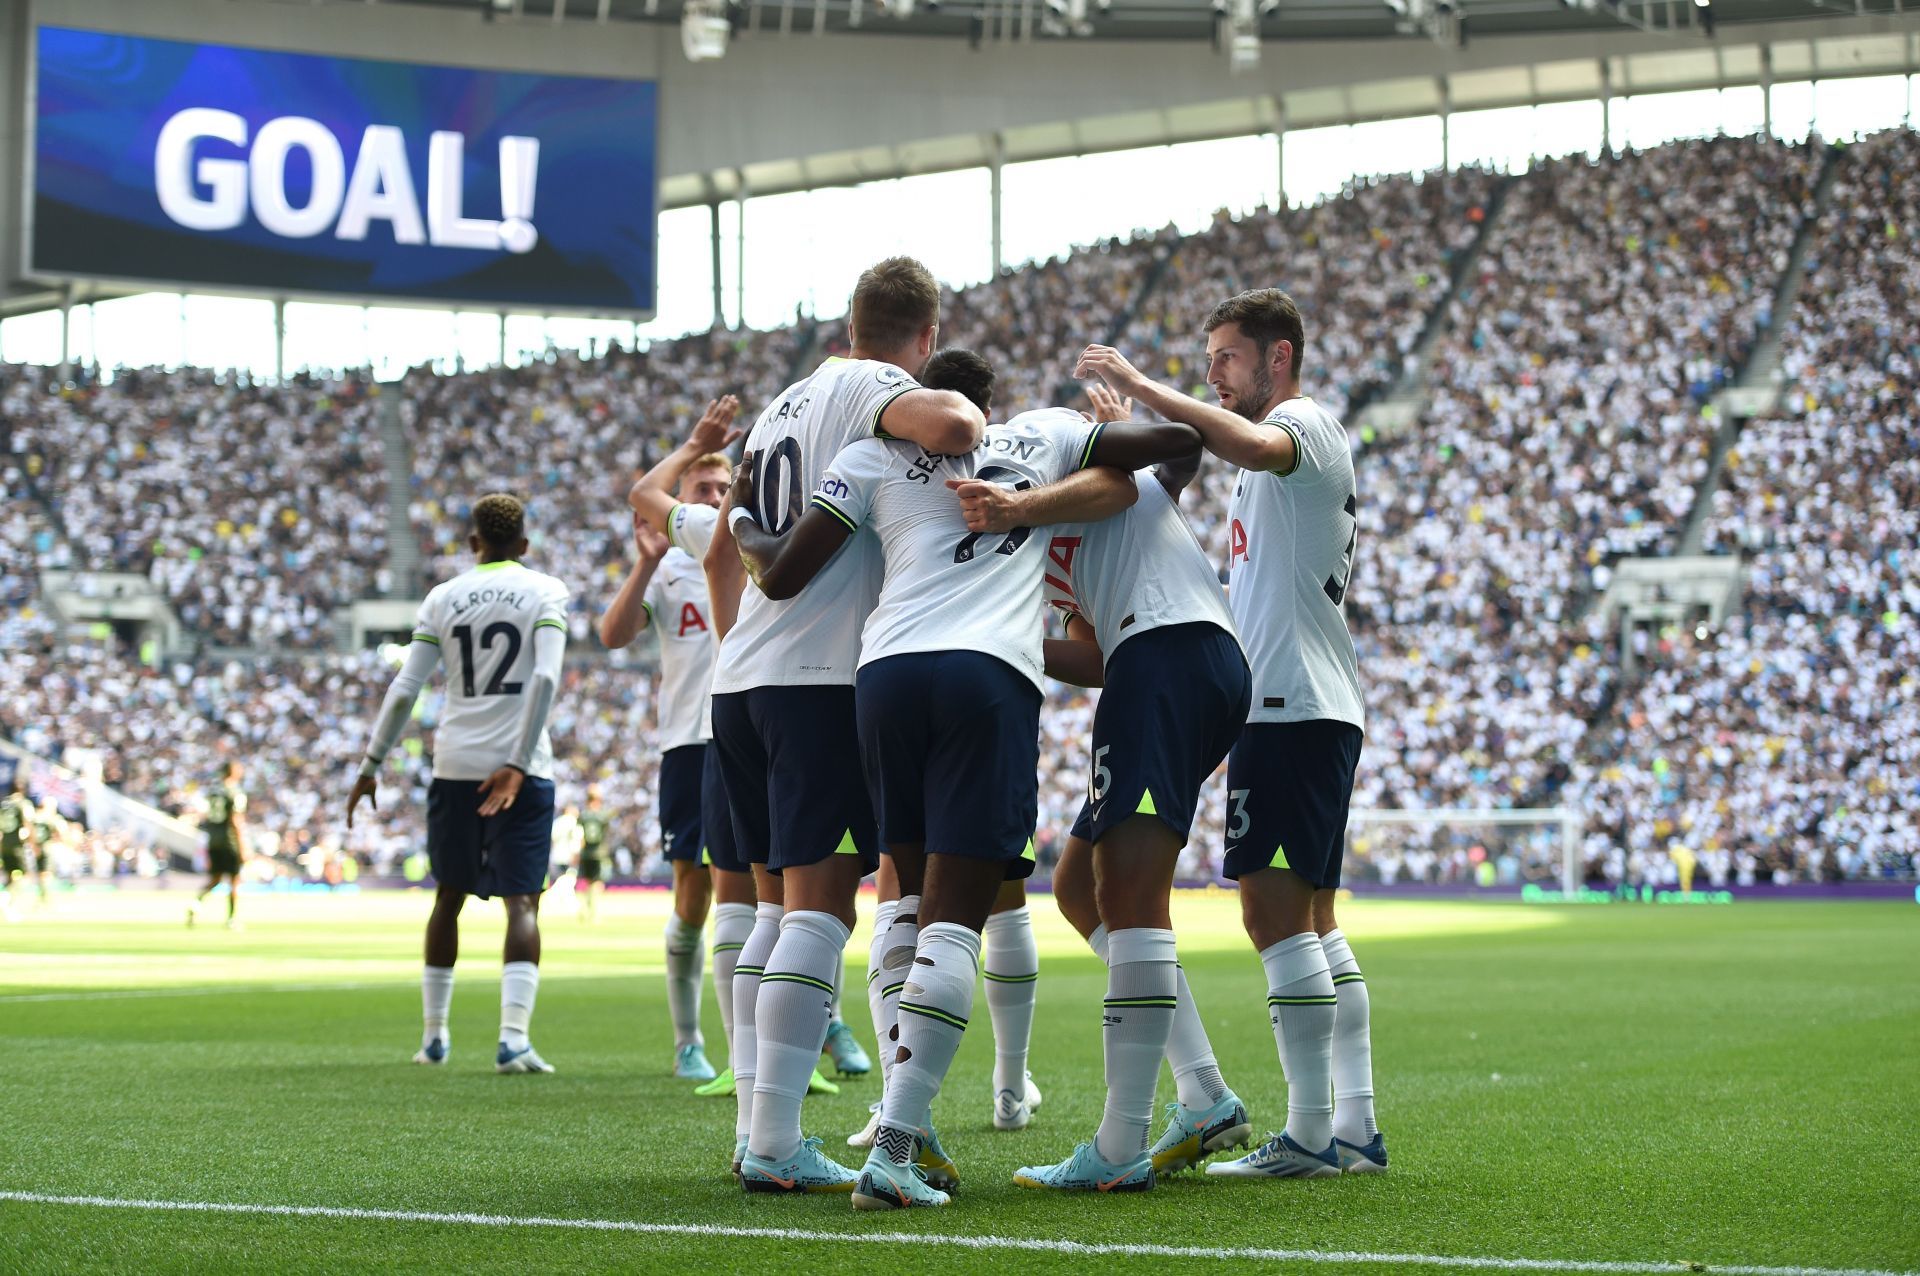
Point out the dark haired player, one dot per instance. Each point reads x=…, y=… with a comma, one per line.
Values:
x=949, y=696
x=225, y=824
x=502, y=630
x=1293, y=529
x=783, y=715
x=1010, y=960
x=1147, y=620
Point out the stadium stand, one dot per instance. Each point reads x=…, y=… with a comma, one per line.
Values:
x=1565, y=424
x=256, y=509
x=599, y=422
x=1783, y=746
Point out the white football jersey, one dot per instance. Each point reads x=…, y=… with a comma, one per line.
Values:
x=690, y=531
x=677, y=606
x=812, y=639
x=1290, y=555
x=690, y=528
x=483, y=622
x=945, y=588
x=1139, y=570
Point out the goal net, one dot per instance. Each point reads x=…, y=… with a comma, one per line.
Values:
x=1493, y=850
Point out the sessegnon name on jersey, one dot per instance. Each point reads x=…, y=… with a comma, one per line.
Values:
x=1018, y=449
x=923, y=468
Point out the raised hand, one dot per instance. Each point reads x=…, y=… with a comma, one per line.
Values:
x=1110, y=366
x=714, y=431
x=1108, y=406
x=651, y=545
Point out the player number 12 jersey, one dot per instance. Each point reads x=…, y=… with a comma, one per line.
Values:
x=483, y=622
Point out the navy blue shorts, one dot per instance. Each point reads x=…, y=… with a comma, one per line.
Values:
x=716, y=822
x=951, y=745
x=681, y=779
x=1289, y=787
x=505, y=854
x=1175, y=702
x=790, y=760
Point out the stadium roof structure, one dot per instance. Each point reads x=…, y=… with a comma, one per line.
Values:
x=1157, y=20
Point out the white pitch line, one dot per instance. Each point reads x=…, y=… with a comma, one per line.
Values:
x=123, y=994
x=1031, y=1244
x=210, y=990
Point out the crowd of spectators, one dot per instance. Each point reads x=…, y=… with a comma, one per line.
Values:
x=568, y=434
x=1564, y=426
x=1786, y=744
x=1370, y=266
x=255, y=509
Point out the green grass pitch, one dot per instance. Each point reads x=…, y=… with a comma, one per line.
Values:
x=1731, y=1086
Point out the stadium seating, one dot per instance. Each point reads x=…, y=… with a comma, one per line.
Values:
x=1563, y=427
x=1783, y=746
x=256, y=509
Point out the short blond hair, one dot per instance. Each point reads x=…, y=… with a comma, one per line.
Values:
x=712, y=459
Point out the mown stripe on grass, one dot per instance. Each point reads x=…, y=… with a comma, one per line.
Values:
x=1029, y=1243
x=211, y=990
x=129, y=994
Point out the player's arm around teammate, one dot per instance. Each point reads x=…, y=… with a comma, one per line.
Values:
x=1250, y=444
x=1293, y=528
x=1142, y=600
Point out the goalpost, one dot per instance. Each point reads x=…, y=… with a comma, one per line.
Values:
x=1389, y=843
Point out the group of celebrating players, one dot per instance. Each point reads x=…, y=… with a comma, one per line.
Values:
x=869, y=586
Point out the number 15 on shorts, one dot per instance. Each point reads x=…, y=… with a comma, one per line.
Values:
x=1100, y=777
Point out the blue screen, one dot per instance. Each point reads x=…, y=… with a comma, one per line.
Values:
x=269, y=172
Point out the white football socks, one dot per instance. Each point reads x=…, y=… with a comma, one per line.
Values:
x=732, y=923
x=1012, y=967
x=1353, y=1120
x=1196, y=1073
x=1301, y=1003
x=1142, y=979
x=896, y=957
x=796, y=997
x=436, y=999
x=839, y=981
x=519, y=985
x=877, y=985
x=686, y=954
x=934, y=1008
x=746, y=995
